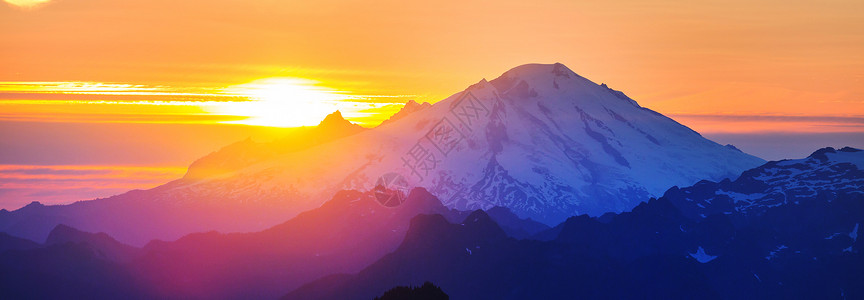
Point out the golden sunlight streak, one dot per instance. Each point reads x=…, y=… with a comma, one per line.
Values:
x=272, y=102
x=282, y=102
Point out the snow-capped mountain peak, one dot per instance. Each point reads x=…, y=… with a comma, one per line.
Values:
x=539, y=139
x=821, y=176
x=542, y=140
x=829, y=155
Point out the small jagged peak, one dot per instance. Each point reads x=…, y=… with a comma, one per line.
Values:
x=844, y=155
x=821, y=153
x=423, y=224
x=333, y=118
x=61, y=232
x=101, y=242
x=421, y=200
x=420, y=192
x=849, y=149
x=336, y=121
x=410, y=107
x=482, y=84
x=33, y=205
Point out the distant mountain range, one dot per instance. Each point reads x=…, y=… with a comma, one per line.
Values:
x=185, y=205
x=343, y=235
x=73, y=265
x=539, y=140
x=358, y=249
x=819, y=177
x=804, y=249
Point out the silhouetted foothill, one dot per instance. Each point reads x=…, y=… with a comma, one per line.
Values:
x=428, y=291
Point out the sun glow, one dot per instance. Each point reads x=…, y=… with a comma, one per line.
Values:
x=27, y=3
x=282, y=102
x=273, y=102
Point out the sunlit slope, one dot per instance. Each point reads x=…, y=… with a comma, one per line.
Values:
x=540, y=140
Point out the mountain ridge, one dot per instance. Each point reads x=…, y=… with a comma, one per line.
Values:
x=821, y=175
x=807, y=249
x=540, y=140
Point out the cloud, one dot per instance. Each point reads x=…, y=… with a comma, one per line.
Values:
x=47, y=170
x=106, y=102
x=776, y=118
x=59, y=184
x=751, y=123
x=788, y=145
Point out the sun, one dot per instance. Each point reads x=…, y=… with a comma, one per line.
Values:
x=282, y=102
x=27, y=3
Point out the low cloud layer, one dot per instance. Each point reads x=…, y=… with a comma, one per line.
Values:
x=22, y=184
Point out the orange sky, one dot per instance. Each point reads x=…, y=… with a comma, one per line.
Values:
x=720, y=67
x=715, y=57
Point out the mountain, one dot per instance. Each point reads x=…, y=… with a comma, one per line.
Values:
x=798, y=249
x=183, y=206
x=246, y=153
x=822, y=175
x=410, y=107
x=360, y=249
x=343, y=235
x=64, y=271
x=540, y=140
x=8, y=242
x=428, y=291
x=513, y=225
x=474, y=260
x=71, y=265
x=104, y=245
